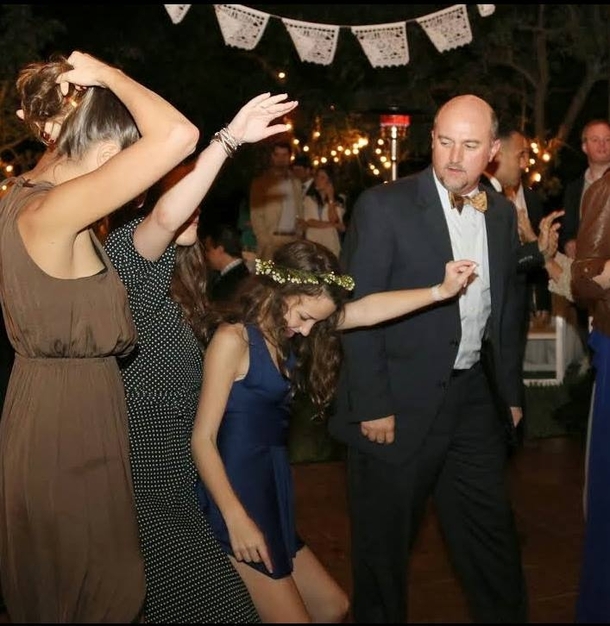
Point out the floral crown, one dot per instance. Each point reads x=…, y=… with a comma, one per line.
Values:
x=281, y=274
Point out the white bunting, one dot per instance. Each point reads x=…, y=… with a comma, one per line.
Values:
x=177, y=12
x=485, y=10
x=316, y=43
x=448, y=28
x=241, y=26
x=384, y=44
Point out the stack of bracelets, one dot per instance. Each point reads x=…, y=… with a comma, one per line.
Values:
x=226, y=140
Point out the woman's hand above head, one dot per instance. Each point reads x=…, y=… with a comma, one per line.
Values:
x=458, y=274
x=119, y=155
x=87, y=72
x=252, y=122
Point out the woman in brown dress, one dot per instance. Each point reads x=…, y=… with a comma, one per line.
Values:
x=69, y=547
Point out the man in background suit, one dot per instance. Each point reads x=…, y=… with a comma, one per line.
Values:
x=415, y=404
x=537, y=234
x=302, y=169
x=223, y=254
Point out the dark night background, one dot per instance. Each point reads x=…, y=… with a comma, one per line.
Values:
x=543, y=67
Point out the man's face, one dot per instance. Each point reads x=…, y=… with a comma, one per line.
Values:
x=596, y=144
x=280, y=158
x=462, y=143
x=212, y=253
x=301, y=172
x=512, y=159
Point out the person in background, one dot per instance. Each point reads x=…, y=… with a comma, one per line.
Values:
x=276, y=202
x=595, y=144
x=505, y=175
x=161, y=260
x=428, y=403
x=590, y=274
x=277, y=337
x=538, y=236
x=303, y=170
x=249, y=244
x=323, y=212
x=69, y=549
x=223, y=255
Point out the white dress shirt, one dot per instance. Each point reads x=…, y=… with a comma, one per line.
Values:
x=468, y=236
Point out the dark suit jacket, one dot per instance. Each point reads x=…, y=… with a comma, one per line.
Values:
x=538, y=277
x=225, y=285
x=571, y=205
x=530, y=262
x=398, y=238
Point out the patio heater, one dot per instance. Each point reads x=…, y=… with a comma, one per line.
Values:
x=394, y=126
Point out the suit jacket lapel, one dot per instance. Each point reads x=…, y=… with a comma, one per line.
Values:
x=495, y=252
x=433, y=215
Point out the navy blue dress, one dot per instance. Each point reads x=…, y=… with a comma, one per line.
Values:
x=253, y=444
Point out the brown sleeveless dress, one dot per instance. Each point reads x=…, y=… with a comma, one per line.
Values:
x=69, y=548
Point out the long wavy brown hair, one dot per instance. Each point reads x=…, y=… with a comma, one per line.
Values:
x=262, y=302
x=189, y=284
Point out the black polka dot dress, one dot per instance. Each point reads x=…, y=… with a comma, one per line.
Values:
x=189, y=577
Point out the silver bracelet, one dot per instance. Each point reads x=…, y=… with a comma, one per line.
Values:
x=436, y=293
x=226, y=140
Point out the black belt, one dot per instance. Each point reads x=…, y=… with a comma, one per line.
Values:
x=282, y=233
x=455, y=372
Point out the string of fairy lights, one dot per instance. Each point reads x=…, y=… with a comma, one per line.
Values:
x=330, y=143
x=375, y=151
x=352, y=145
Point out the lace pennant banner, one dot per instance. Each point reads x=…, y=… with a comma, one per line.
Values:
x=449, y=28
x=241, y=26
x=316, y=43
x=177, y=12
x=384, y=44
x=485, y=10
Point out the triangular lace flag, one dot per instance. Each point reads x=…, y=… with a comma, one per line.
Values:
x=485, y=10
x=177, y=12
x=384, y=44
x=448, y=28
x=241, y=26
x=316, y=43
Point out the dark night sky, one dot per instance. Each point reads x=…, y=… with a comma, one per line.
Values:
x=130, y=33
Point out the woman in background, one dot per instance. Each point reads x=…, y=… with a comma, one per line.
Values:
x=323, y=212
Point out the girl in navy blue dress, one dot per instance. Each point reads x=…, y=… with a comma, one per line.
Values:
x=280, y=336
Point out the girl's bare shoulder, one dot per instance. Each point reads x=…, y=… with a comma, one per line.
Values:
x=234, y=335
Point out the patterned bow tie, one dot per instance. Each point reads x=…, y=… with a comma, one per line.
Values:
x=478, y=201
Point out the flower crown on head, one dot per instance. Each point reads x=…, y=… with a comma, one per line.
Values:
x=281, y=275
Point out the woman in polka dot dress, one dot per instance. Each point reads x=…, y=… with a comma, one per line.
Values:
x=160, y=260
